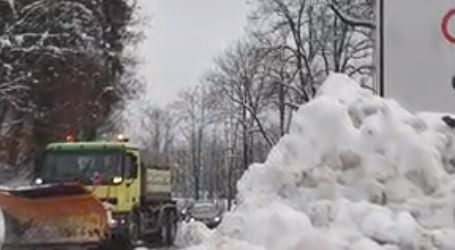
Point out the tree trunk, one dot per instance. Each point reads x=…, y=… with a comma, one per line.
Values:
x=245, y=130
x=195, y=164
x=282, y=109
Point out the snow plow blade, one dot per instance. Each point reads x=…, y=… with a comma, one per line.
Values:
x=52, y=215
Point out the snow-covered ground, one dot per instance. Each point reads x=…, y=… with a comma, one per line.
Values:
x=355, y=172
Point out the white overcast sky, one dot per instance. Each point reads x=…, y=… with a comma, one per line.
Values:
x=183, y=36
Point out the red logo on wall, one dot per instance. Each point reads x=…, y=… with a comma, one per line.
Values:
x=445, y=26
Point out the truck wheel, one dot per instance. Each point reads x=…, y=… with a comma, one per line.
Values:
x=129, y=236
x=169, y=229
x=133, y=230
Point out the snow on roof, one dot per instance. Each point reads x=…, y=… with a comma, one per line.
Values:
x=355, y=172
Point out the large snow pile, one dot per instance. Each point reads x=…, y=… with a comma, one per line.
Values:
x=355, y=172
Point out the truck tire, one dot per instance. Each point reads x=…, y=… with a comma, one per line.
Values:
x=169, y=228
x=128, y=237
x=133, y=230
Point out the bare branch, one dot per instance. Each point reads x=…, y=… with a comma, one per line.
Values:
x=352, y=21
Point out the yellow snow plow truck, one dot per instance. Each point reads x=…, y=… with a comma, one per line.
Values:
x=91, y=195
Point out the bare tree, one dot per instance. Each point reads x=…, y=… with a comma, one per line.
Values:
x=231, y=138
x=239, y=76
x=314, y=39
x=286, y=19
x=292, y=47
x=157, y=133
x=194, y=116
x=363, y=16
x=279, y=74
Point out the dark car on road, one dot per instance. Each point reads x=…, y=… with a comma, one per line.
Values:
x=208, y=213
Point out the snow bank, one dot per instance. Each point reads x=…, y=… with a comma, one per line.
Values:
x=355, y=172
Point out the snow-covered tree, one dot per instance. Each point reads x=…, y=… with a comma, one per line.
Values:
x=61, y=66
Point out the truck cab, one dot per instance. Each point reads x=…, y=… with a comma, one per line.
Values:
x=136, y=195
x=110, y=170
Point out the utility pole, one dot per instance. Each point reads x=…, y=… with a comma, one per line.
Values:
x=379, y=48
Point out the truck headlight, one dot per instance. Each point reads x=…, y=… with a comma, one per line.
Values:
x=38, y=181
x=217, y=219
x=117, y=180
x=112, y=223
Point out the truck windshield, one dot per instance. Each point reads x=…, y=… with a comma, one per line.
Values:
x=81, y=166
